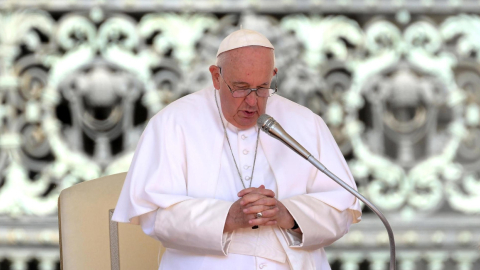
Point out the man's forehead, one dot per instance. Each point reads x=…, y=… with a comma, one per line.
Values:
x=243, y=38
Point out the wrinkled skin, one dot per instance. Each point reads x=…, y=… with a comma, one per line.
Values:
x=248, y=67
x=254, y=200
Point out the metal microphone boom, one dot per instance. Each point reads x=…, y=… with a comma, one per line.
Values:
x=272, y=128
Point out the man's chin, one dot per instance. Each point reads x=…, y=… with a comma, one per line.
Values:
x=246, y=123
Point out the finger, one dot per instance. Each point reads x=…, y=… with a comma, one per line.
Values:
x=270, y=213
x=243, y=192
x=270, y=223
x=263, y=201
x=267, y=192
x=251, y=198
x=256, y=209
x=262, y=190
x=267, y=223
x=259, y=221
x=257, y=199
x=267, y=201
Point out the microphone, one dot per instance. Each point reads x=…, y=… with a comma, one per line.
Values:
x=266, y=123
x=272, y=128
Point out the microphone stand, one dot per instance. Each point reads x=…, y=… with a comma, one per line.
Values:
x=335, y=178
x=272, y=128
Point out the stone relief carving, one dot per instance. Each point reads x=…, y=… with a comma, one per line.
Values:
x=401, y=101
x=400, y=95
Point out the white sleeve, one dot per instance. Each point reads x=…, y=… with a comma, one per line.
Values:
x=320, y=222
x=194, y=225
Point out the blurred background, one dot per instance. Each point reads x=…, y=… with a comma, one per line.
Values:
x=397, y=81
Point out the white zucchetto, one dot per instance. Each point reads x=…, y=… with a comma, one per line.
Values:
x=243, y=38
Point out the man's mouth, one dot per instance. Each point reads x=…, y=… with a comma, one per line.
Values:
x=249, y=113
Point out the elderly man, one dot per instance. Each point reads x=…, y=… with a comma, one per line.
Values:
x=220, y=195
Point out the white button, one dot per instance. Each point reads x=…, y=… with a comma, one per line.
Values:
x=261, y=266
x=247, y=178
x=246, y=167
x=243, y=137
x=245, y=151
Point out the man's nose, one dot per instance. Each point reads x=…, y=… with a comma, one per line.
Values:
x=251, y=99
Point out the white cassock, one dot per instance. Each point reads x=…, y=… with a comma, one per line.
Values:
x=183, y=180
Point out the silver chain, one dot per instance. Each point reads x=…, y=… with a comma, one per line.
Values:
x=226, y=136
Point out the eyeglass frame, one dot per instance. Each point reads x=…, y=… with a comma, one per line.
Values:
x=250, y=89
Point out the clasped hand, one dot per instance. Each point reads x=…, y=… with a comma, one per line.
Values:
x=242, y=213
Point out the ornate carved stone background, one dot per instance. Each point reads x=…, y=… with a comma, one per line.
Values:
x=398, y=83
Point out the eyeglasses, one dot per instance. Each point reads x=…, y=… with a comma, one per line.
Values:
x=243, y=92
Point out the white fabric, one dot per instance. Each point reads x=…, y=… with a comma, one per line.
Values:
x=243, y=38
x=183, y=185
x=262, y=242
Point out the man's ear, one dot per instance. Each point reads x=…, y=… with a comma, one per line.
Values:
x=215, y=71
x=275, y=70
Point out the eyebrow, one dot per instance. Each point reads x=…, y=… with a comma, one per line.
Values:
x=245, y=83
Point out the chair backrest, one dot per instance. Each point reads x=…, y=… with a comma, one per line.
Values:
x=88, y=237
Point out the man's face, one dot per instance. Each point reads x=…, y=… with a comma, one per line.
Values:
x=247, y=67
